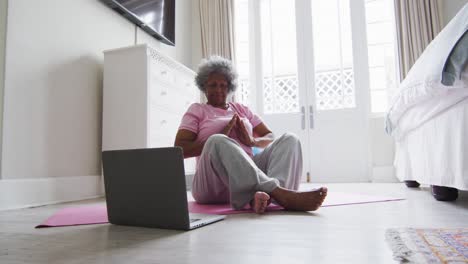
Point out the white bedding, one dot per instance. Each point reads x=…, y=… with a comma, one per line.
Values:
x=428, y=120
x=423, y=81
x=436, y=153
x=425, y=111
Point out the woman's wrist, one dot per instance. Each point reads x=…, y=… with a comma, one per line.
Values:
x=254, y=142
x=262, y=142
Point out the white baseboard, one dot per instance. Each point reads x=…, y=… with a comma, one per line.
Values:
x=384, y=174
x=21, y=193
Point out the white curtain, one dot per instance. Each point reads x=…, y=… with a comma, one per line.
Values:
x=217, y=29
x=417, y=22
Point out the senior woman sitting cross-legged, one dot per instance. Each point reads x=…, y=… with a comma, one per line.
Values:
x=222, y=135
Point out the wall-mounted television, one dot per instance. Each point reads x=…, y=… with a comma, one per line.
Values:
x=156, y=17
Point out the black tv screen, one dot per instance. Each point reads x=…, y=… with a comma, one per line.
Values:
x=156, y=17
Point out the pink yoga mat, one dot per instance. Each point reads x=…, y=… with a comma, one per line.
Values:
x=97, y=214
x=333, y=199
x=224, y=209
x=80, y=215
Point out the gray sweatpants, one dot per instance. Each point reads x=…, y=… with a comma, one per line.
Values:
x=226, y=173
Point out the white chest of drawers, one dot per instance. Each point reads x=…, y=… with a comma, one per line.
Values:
x=144, y=97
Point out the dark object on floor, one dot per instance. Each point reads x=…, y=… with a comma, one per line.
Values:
x=442, y=193
x=412, y=184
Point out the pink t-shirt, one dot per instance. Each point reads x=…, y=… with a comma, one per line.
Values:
x=206, y=120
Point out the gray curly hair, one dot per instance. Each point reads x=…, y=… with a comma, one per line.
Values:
x=216, y=64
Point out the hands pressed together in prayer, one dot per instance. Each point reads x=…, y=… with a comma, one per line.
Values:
x=236, y=125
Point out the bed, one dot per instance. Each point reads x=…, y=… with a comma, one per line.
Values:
x=428, y=116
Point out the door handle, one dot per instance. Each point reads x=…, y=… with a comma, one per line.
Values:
x=311, y=117
x=303, y=117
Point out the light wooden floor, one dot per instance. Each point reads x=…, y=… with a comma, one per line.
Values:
x=340, y=234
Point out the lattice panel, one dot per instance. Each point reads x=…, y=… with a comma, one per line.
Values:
x=335, y=89
x=283, y=96
x=244, y=94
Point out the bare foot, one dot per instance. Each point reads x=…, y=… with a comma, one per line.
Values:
x=260, y=202
x=300, y=201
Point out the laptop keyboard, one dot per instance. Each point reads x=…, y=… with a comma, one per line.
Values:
x=193, y=220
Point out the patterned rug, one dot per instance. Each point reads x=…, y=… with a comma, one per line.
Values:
x=415, y=245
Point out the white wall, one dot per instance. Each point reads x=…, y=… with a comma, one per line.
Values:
x=53, y=83
x=3, y=24
x=382, y=152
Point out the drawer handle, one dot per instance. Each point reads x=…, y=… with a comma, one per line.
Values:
x=163, y=93
x=163, y=122
x=163, y=72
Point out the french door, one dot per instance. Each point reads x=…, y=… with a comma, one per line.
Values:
x=308, y=63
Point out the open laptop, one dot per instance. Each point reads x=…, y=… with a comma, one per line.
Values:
x=146, y=187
